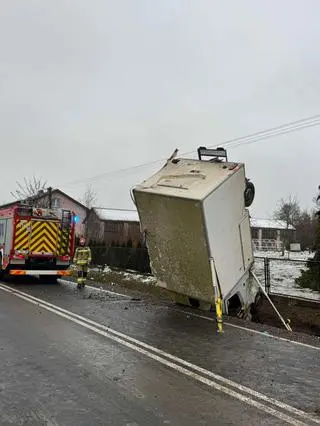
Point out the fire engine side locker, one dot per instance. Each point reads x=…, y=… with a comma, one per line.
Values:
x=3, y=231
x=192, y=211
x=6, y=238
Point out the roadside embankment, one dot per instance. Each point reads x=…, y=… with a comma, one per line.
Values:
x=304, y=315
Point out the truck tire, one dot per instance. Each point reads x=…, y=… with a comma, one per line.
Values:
x=249, y=194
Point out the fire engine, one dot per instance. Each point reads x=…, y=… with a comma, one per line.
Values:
x=36, y=241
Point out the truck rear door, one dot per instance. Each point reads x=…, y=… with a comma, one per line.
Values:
x=43, y=237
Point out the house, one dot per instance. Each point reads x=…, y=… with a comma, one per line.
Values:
x=59, y=200
x=113, y=226
x=271, y=234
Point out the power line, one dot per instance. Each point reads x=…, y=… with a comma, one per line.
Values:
x=231, y=143
x=292, y=125
x=267, y=136
x=114, y=172
x=272, y=133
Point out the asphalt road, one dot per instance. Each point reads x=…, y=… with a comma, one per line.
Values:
x=112, y=360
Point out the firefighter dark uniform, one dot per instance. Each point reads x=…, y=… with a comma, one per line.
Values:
x=82, y=259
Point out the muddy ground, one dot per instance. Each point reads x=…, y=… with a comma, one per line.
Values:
x=303, y=315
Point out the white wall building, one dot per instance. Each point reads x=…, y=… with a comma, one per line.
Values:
x=270, y=234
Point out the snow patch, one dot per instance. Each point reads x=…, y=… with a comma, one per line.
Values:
x=269, y=224
x=117, y=215
x=283, y=273
x=302, y=255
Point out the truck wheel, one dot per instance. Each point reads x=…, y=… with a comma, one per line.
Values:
x=249, y=194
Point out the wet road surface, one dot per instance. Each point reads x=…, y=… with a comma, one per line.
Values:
x=166, y=366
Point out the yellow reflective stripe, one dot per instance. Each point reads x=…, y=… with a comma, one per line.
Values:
x=43, y=237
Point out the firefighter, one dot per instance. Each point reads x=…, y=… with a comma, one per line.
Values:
x=82, y=259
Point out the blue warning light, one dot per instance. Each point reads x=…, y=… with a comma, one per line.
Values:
x=76, y=219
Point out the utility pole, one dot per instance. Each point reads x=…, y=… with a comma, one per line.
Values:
x=50, y=197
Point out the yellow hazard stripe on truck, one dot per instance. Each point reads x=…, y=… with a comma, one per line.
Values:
x=65, y=241
x=43, y=238
x=21, y=241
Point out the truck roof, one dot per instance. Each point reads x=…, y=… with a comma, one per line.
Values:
x=189, y=178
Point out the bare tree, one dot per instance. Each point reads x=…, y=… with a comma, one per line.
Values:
x=310, y=278
x=89, y=197
x=289, y=212
x=307, y=229
x=31, y=191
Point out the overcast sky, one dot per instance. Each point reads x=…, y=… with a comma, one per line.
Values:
x=91, y=87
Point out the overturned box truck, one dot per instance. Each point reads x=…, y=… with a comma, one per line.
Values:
x=194, y=216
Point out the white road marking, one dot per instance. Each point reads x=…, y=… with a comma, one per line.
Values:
x=251, y=330
x=161, y=356
x=113, y=293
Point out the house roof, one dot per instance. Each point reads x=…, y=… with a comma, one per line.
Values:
x=7, y=205
x=120, y=215
x=269, y=224
x=54, y=191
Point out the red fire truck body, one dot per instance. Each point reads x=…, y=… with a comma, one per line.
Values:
x=36, y=241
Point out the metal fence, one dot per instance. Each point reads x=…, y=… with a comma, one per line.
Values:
x=267, y=245
x=290, y=277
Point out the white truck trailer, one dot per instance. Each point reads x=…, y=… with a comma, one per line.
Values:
x=196, y=222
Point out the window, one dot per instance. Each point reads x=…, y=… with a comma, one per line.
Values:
x=56, y=203
x=255, y=233
x=2, y=230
